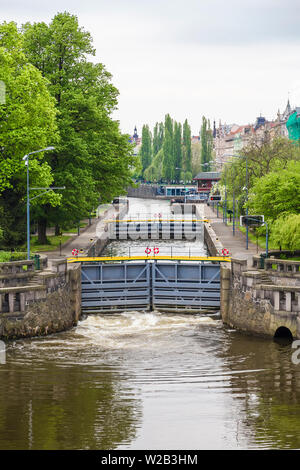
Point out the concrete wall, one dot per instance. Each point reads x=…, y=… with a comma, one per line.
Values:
x=213, y=243
x=51, y=303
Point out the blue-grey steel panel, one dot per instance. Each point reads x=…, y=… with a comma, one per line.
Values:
x=192, y=286
x=120, y=286
x=173, y=285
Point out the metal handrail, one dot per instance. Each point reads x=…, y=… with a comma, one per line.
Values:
x=81, y=259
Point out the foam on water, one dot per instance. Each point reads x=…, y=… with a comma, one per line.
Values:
x=135, y=329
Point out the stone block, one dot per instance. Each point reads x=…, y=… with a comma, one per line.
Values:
x=288, y=301
x=276, y=297
x=11, y=302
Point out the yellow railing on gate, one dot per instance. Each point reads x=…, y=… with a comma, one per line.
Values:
x=81, y=259
x=156, y=220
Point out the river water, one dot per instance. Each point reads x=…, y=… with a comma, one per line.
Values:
x=149, y=381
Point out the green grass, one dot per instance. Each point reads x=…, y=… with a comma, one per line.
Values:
x=261, y=240
x=53, y=243
x=6, y=256
x=74, y=229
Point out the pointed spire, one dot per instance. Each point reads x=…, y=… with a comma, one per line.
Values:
x=135, y=135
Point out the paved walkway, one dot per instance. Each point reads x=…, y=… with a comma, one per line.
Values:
x=84, y=240
x=236, y=244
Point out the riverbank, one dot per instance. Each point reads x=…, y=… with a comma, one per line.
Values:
x=38, y=302
x=260, y=299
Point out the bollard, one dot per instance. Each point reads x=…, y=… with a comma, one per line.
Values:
x=37, y=262
x=262, y=260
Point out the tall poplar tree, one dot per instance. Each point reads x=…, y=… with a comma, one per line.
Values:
x=146, y=148
x=158, y=137
x=187, y=151
x=168, y=150
x=177, y=142
x=206, y=143
x=161, y=131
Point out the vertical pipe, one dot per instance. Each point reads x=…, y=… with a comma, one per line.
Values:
x=233, y=209
x=225, y=196
x=247, y=233
x=28, y=212
x=267, y=240
x=233, y=215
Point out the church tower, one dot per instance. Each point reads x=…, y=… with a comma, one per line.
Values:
x=135, y=135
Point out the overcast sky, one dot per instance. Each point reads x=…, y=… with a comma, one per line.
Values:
x=231, y=60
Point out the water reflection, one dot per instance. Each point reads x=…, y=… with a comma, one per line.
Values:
x=55, y=394
x=270, y=401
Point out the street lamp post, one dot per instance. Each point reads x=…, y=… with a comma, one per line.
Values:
x=225, y=212
x=26, y=159
x=233, y=207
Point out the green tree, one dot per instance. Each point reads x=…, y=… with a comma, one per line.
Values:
x=196, y=158
x=146, y=147
x=28, y=123
x=272, y=155
x=155, y=170
x=206, y=143
x=168, y=160
x=177, y=143
x=93, y=160
x=168, y=150
x=187, y=151
x=158, y=137
x=277, y=193
x=286, y=232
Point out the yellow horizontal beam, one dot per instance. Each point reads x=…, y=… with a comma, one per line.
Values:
x=138, y=258
x=158, y=220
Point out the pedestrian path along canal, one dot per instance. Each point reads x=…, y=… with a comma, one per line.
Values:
x=137, y=380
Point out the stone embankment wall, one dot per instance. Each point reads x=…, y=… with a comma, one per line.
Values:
x=257, y=302
x=34, y=303
x=254, y=300
x=212, y=242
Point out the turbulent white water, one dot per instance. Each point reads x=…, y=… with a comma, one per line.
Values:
x=134, y=330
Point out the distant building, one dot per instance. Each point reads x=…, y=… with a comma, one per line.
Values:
x=135, y=135
x=135, y=139
x=205, y=181
x=230, y=140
